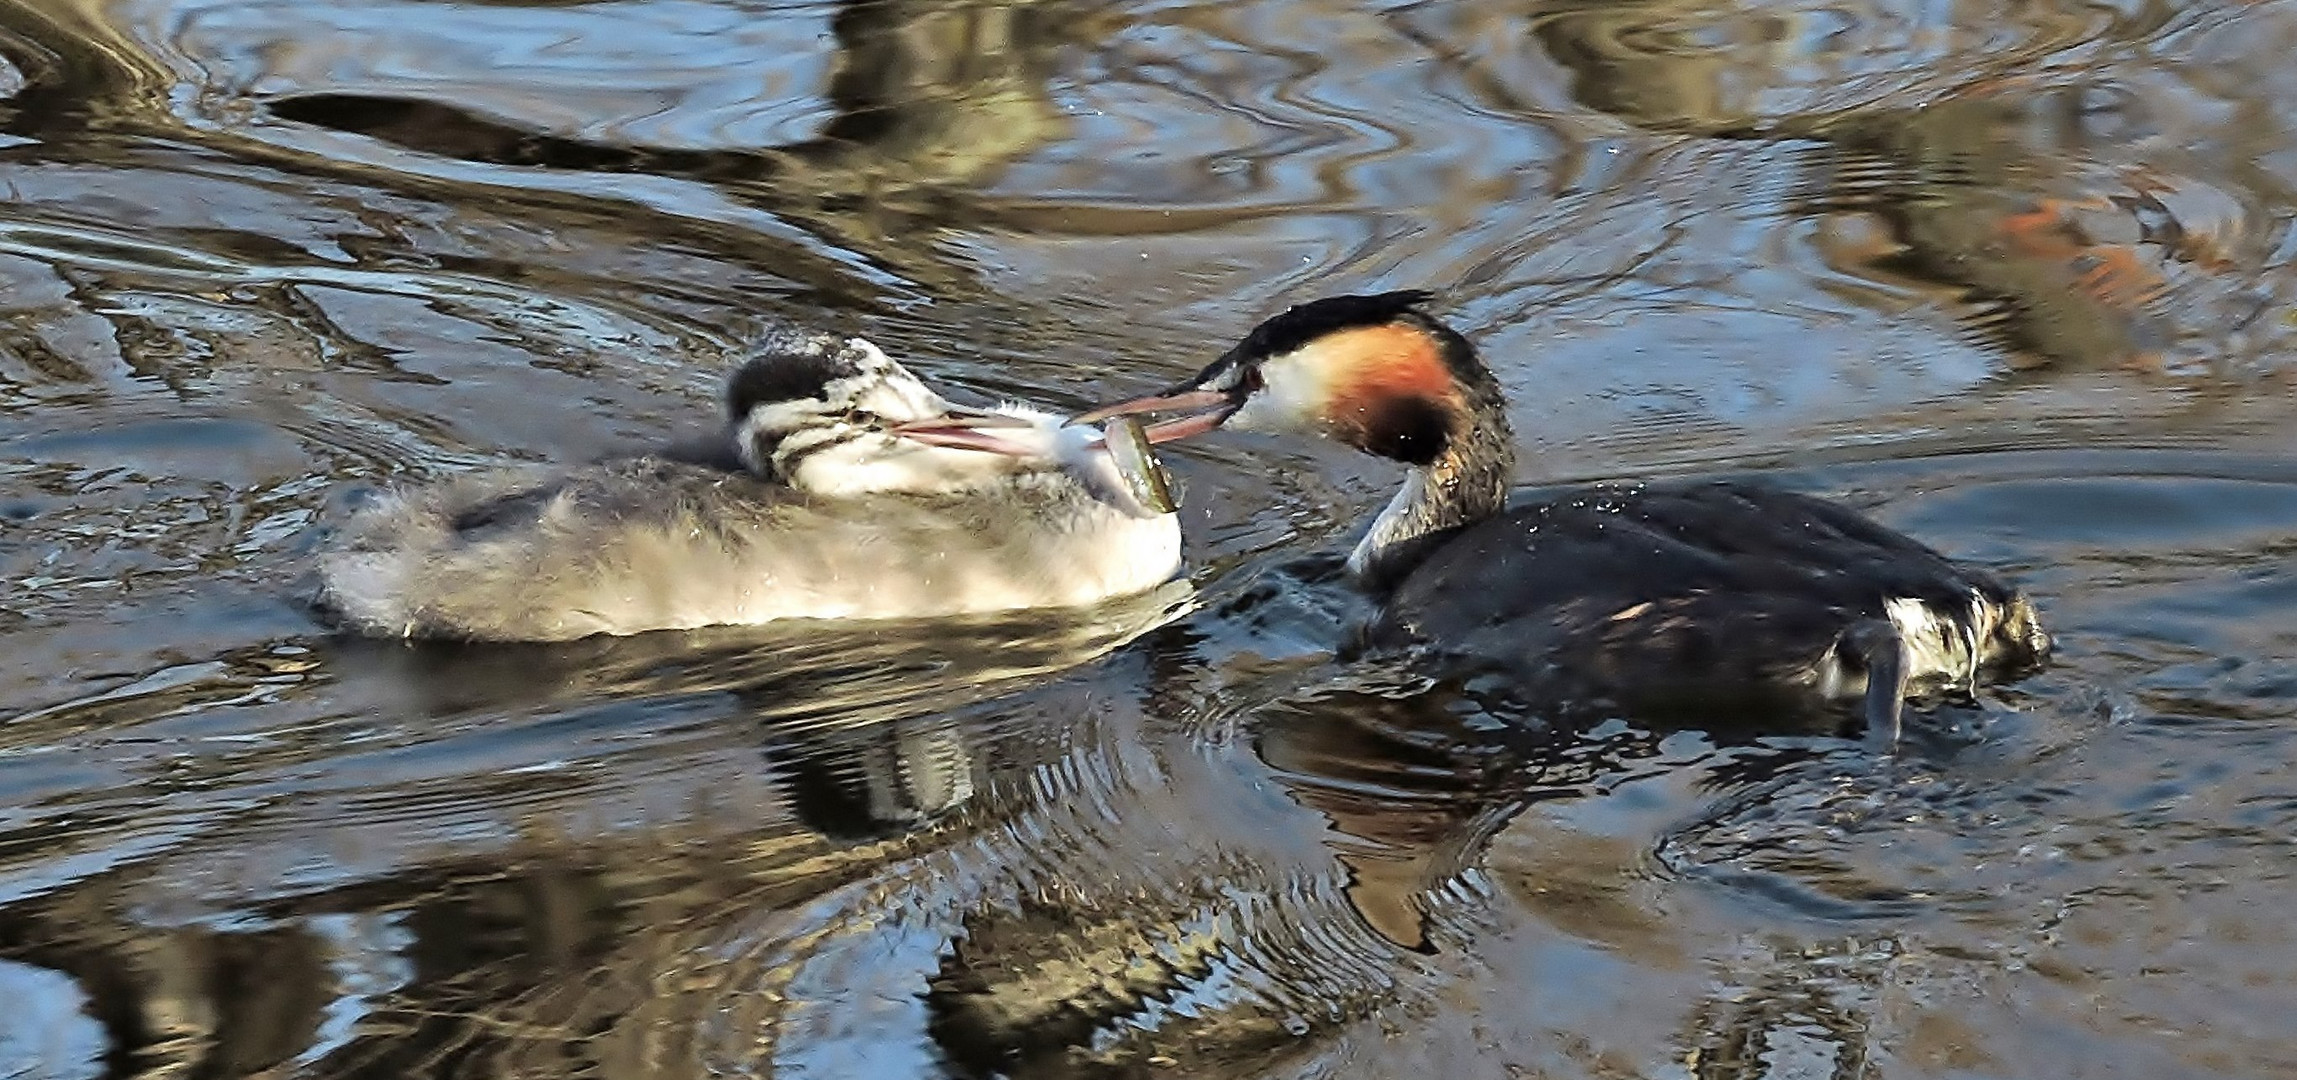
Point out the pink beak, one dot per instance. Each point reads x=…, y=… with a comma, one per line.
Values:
x=971, y=431
x=1213, y=408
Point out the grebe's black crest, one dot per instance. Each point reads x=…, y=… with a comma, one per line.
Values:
x=1304, y=323
x=1301, y=324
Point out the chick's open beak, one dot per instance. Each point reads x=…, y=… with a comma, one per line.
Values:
x=1207, y=409
x=967, y=429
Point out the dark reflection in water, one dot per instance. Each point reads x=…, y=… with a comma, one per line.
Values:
x=2014, y=277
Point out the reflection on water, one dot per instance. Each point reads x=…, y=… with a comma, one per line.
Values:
x=2014, y=277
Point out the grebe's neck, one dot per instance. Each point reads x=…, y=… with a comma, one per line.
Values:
x=1465, y=484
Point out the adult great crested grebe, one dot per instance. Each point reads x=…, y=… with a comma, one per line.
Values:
x=843, y=488
x=1639, y=596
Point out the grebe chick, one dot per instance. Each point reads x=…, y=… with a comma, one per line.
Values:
x=844, y=489
x=1637, y=596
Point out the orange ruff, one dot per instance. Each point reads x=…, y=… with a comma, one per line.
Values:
x=1375, y=364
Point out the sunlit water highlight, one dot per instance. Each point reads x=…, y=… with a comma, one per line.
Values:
x=2016, y=278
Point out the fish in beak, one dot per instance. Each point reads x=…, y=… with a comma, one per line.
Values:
x=1125, y=439
x=1205, y=409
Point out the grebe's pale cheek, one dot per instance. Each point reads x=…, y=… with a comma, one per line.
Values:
x=1295, y=395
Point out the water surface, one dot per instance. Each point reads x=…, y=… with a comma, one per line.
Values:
x=2015, y=277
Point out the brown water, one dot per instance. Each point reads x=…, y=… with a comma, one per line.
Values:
x=2018, y=277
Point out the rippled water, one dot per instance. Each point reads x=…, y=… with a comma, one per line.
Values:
x=2017, y=277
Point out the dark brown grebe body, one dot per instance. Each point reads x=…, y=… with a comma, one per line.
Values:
x=1697, y=595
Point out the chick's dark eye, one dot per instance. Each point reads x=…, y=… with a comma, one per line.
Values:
x=1249, y=380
